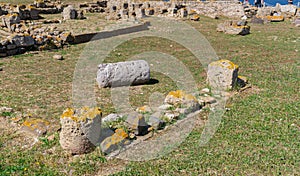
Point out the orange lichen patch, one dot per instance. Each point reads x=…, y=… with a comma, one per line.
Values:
x=12, y=15
x=143, y=109
x=84, y=113
x=275, y=18
x=225, y=63
x=34, y=123
x=176, y=94
x=195, y=17
x=117, y=137
x=181, y=95
x=192, y=12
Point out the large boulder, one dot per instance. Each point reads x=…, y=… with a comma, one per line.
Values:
x=123, y=73
x=222, y=75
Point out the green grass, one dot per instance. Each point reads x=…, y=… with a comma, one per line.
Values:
x=258, y=136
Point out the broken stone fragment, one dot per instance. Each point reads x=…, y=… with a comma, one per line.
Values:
x=208, y=100
x=156, y=122
x=6, y=109
x=137, y=124
x=242, y=81
x=123, y=73
x=35, y=127
x=81, y=129
x=58, y=57
x=111, y=118
x=113, y=142
x=222, y=75
x=69, y=13
x=179, y=97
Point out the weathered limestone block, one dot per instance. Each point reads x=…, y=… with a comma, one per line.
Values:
x=113, y=142
x=222, y=75
x=156, y=122
x=35, y=127
x=288, y=10
x=149, y=11
x=123, y=73
x=137, y=124
x=183, y=13
x=184, y=103
x=140, y=13
x=81, y=129
x=233, y=28
x=10, y=19
x=69, y=13
x=23, y=41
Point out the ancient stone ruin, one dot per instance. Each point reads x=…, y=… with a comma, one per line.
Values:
x=24, y=21
x=123, y=73
x=80, y=127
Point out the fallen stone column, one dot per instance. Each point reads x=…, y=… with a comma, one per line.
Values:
x=123, y=73
x=81, y=129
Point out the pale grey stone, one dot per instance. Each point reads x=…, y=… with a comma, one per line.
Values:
x=222, y=75
x=123, y=73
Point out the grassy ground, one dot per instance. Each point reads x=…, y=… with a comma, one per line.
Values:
x=258, y=136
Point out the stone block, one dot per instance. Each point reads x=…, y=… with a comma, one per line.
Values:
x=123, y=73
x=222, y=75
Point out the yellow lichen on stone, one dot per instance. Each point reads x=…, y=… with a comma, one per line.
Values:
x=225, y=63
x=176, y=94
x=34, y=123
x=241, y=27
x=116, y=138
x=181, y=95
x=275, y=18
x=85, y=113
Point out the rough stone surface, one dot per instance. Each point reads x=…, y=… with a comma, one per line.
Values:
x=156, y=122
x=58, y=57
x=233, y=28
x=137, y=124
x=288, y=10
x=81, y=129
x=113, y=142
x=111, y=118
x=35, y=127
x=23, y=41
x=69, y=13
x=10, y=20
x=123, y=73
x=222, y=74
